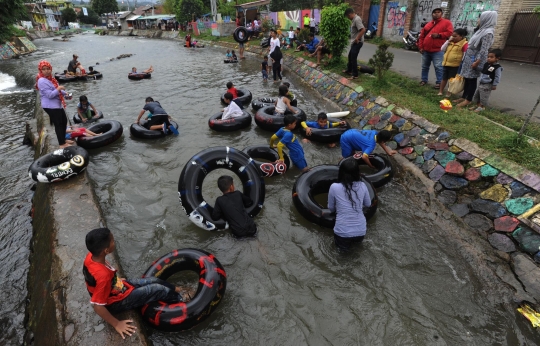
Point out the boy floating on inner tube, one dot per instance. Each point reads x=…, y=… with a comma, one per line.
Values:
x=148, y=70
x=231, y=89
x=110, y=294
x=365, y=141
x=232, y=207
x=84, y=108
x=159, y=120
x=321, y=123
x=288, y=139
x=234, y=108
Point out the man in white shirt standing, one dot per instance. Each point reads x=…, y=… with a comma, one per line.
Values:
x=233, y=110
x=312, y=25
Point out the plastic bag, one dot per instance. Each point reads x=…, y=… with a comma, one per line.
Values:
x=456, y=84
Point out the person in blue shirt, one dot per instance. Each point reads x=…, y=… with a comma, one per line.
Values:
x=228, y=56
x=311, y=46
x=365, y=141
x=288, y=139
x=321, y=123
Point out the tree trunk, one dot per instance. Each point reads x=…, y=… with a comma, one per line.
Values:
x=529, y=117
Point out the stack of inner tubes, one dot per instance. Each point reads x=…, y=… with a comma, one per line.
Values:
x=317, y=181
x=139, y=76
x=244, y=96
x=139, y=131
x=179, y=316
x=267, y=102
x=77, y=118
x=266, y=119
x=268, y=167
x=385, y=171
x=110, y=131
x=232, y=124
x=59, y=165
x=330, y=135
x=197, y=168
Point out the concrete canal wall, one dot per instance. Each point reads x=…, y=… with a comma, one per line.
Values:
x=59, y=310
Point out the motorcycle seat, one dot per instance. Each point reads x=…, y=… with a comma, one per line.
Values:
x=414, y=32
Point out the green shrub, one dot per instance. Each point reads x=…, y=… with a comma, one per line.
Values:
x=335, y=28
x=303, y=35
x=382, y=60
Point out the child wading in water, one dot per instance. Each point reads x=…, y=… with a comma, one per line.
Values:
x=490, y=78
x=454, y=50
x=264, y=68
x=288, y=139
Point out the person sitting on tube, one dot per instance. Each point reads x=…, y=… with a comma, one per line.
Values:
x=365, y=141
x=234, y=108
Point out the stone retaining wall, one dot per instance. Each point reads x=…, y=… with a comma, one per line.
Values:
x=497, y=198
x=59, y=311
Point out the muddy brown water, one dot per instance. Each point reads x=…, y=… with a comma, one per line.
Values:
x=410, y=283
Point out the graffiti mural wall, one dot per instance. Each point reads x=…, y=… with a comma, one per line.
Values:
x=394, y=20
x=465, y=13
x=293, y=18
x=423, y=13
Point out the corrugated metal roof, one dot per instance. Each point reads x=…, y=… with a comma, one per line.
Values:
x=157, y=16
x=530, y=4
x=132, y=17
x=254, y=4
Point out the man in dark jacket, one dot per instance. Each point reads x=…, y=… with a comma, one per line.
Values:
x=431, y=39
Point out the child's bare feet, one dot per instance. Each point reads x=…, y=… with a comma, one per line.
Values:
x=463, y=103
x=305, y=140
x=331, y=145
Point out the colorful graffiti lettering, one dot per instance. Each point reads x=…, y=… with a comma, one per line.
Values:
x=465, y=14
x=423, y=13
x=396, y=18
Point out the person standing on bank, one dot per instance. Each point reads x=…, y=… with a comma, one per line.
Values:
x=477, y=54
x=52, y=101
x=347, y=198
x=357, y=41
x=431, y=39
x=306, y=20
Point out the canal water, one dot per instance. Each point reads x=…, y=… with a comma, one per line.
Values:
x=410, y=283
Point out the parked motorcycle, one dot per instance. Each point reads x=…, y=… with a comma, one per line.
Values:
x=411, y=39
x=371, y=31
x=265, y=42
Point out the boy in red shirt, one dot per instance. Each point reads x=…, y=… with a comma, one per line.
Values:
x=111, y=294
x=231, y=89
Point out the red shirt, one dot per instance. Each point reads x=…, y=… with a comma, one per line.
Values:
x=443, y=27
x=233, y=92
x=103, y=283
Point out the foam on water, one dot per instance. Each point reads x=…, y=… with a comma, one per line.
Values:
x=6, y=81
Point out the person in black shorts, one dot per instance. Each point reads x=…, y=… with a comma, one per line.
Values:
x=158, y=119
x=232, y=208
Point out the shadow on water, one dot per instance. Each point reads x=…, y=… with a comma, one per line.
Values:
x=410, y=283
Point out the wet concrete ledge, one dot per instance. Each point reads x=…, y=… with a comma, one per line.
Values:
x=59, y=311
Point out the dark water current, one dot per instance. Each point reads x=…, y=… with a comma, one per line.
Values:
x=408, y=284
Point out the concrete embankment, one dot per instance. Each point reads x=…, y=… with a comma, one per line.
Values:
x=59, y=312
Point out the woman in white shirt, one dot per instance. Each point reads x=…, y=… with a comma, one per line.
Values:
x=274, y=42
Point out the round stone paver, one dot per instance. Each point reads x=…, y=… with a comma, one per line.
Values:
x=447, y=197
x=504, y=179
x=452, y=182
x=428, y=154
x=501, y=242
x=478, y=222
x=428, y=166
x=492, y=209
x=454, y=168
x=436, y=173
x=518, y=189
x=488, y=171
x=465, y=156
x=455, y=150
x=506, y=224
x=476, y=162
x=497, y=193
x=528, y=240
x=444, y=157
x=406, y=151
x=460, y=209
x=472, y=174
x=520, y=205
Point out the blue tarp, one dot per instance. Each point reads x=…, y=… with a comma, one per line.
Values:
x=373, y=16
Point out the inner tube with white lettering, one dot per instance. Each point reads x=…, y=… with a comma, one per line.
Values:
x=59, y=165
x=385, y=171
x=241, y=34
x=268, y=167
x=197, y=168
x=244, y=96
x=227, y=61
x=179, y=316
x=266, y=119
x=140, y=131
x=317, y=181
x=110, y=131
x=330, y=135
x=231, y=124
x=77, y=118
x=139, y=76
x=268, y=102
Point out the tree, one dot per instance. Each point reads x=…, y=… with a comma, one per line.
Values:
x=10, y=12
x=288, y=5
x=185, y=9
x=168, y=6
x=104, y=6
x=382, y=60
x=91, y=18
x=69, y=15
x=335, y=29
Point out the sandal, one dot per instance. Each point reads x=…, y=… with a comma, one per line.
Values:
x=437, y=86
x=461, y=99
x=352, y=77
x=422, y=83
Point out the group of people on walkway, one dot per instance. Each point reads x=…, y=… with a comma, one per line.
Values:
x=450, y=53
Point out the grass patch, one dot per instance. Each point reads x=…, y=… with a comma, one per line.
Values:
x=423, y=100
